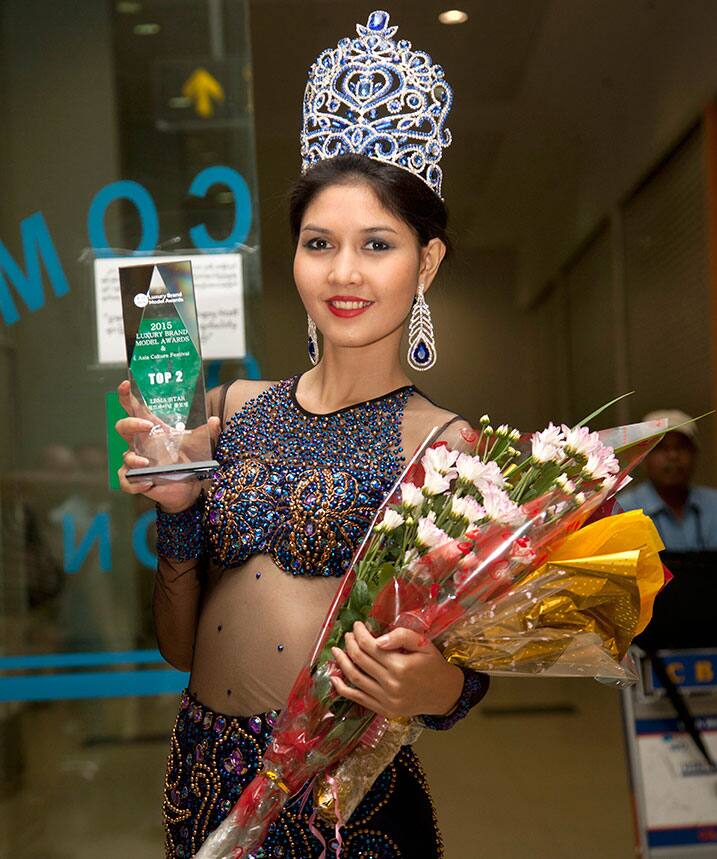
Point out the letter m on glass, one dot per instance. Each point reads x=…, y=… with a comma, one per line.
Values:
x=38, y=250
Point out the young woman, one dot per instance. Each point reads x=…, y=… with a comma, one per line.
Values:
x=249, y=562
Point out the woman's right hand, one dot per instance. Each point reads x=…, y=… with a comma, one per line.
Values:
x=173, y=496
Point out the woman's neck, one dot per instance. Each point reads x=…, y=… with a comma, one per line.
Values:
x=347, y=375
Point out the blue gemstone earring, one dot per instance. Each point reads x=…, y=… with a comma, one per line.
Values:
x=313, y=342
x=421, y=342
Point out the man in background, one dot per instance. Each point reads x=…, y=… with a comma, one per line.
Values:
x=684, y=514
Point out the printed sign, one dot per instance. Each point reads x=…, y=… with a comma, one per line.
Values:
x=219, y=295
x=680, y=788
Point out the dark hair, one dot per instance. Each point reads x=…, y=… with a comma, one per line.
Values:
x=399, y=192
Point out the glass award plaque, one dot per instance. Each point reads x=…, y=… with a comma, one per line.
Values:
x=164, y=362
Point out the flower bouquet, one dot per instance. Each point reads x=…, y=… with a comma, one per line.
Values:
x=462, y=550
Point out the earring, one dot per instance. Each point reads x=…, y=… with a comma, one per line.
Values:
x=313, y=342
x=421, y=342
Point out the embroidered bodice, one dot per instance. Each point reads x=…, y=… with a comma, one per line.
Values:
x=302, y=487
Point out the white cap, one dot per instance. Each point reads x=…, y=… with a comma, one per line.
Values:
x=675, y=417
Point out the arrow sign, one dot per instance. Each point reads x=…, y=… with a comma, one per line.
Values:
x=203, y=89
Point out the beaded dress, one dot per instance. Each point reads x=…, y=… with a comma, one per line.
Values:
x=244, y=580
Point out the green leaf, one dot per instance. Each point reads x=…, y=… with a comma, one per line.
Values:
x=325, y=655
x=386, y=573
x=361, y=599
x=602, y=409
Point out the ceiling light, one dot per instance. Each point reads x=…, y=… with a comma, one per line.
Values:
x=453, y=16
x=146, y=29
x=128, y=8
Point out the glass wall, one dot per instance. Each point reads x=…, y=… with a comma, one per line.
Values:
x=127, y=127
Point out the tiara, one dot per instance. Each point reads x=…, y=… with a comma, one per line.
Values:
x=374, y=96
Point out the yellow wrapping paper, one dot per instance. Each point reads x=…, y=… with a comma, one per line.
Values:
x=584, y=606
x=602, y=580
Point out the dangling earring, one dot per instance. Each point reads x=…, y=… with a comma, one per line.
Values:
x=313, y=342
x=421, y=343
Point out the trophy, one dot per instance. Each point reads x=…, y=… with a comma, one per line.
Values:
x=164, y=363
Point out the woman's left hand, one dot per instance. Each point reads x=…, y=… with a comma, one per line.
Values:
x=401, y=673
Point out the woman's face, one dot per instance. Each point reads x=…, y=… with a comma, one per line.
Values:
x=357, y=266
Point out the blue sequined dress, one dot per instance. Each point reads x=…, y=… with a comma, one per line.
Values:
x=244, y=580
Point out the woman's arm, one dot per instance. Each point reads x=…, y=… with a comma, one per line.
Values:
x=401, y=672
x=181, y=567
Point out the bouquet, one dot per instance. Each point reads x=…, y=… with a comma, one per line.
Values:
x=471, y=549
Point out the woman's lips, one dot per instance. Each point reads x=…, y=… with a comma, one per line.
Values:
x=347, y=306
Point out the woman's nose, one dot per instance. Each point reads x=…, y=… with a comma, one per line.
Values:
x=345, y=269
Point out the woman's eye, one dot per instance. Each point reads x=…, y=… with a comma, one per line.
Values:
x=378, y=245
x=317, y=244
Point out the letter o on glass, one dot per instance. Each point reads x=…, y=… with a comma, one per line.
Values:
x=221, y=175
x=124, y=189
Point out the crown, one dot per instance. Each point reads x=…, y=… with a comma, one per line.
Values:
x=374, y=96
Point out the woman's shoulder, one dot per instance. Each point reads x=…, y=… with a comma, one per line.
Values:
x=423, y=414
x=226, y=399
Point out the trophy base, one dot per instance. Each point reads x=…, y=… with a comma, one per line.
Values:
x=169, y=473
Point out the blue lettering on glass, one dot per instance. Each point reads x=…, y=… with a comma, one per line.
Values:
x=125, y=189
x=139, y=539
x=99, y=531
x=37, y=247
x=221, y=175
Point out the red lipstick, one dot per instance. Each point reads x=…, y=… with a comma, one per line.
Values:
x=347, y=312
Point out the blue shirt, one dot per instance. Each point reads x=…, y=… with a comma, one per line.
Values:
x=696, y=531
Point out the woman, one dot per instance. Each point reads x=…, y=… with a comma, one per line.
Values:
x=249, y=563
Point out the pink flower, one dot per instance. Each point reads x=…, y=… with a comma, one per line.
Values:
x=435, y=483
x=547, y=446
x=440, y=459
x=473, y=470
x=428, y=534
x=579, y=441
x=467, y=508
x=500, y=508
x=411, y=497
x=601, y=464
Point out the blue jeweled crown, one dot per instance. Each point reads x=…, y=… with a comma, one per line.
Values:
x=373, y=96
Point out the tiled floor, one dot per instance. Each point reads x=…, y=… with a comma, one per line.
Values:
x=538, y=773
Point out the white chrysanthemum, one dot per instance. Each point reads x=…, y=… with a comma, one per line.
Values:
x=601, y=464
x=479, y=473
x=548, y=445
x=391, y=520
x=435, y=483
x=428, y=534
x=500, y=508
x=580, y=498
x=609, y=483
x=409, y=557
x=440, y=459
x=411, y=496
x=467, y=508
x=579, y=441
x=565, y=483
